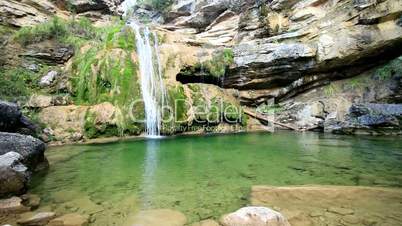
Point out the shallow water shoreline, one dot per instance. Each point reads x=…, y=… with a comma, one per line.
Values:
x=207, y=176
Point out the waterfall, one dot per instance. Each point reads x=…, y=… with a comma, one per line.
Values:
x=152, y=86
x=127, y=5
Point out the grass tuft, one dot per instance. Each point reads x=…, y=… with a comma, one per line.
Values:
x=218, y=65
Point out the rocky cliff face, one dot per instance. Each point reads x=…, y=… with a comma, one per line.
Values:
x=32, y=12
x=284, y=50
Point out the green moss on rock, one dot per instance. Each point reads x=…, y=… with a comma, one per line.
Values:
x=390, y=69
x=178, y=101
x=219, y=63
x=93, y=130
x=106, y=72
x=17, y=83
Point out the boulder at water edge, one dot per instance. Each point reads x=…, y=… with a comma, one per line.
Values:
x=256, y=216
x=13, y=174
x=31, y=149
x=20, y=155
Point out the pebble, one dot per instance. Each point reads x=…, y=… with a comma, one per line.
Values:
x=31, y=200
x=315, y=214
x=351, y=219
x=341, y=210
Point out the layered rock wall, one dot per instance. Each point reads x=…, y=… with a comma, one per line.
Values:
x=292, y=52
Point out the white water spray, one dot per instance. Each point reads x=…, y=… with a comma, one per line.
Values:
x=127, y=5
x=152, y=86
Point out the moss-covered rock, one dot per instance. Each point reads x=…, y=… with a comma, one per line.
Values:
x=211, y=71
x=107, y=71
x=175, y=117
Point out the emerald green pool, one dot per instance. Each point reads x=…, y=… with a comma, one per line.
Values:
x=207, y=176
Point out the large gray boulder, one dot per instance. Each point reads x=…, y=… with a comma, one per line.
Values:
x=49, y=78
x=267, y=65
x=12, y=120
x=31, y=149
x=254, y=215
x=368, y=119
x=13, y=174
x=50, y=52
x=203, y=13
x=20, y=156
x=80, y=6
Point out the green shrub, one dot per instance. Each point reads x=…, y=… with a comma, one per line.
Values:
x=5, y=33
x=331, y=90
x=126, y=39
x=219, y=63
x=74, y=32
x=356, y=83
x=390, y=69
x=178, y=99
x=269, y=109
x=92, y=130
x=54, y=28
x=17, y=83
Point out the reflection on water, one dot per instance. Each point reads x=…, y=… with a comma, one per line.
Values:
x=150, y=165
x=208, y=176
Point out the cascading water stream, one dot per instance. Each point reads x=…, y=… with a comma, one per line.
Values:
x=152, y=86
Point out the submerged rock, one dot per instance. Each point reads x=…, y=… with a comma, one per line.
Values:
x=208, y=222
x=346, y=205
x=12, y=205
x=31, y=200
x=37, y=219
x=157, y=217
x=340, y=210
x=261, y=216
x=71, y=219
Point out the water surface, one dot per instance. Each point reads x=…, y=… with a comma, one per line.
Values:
x=207, y=176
